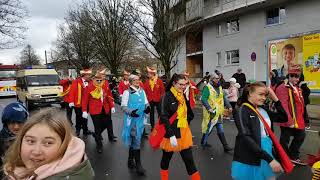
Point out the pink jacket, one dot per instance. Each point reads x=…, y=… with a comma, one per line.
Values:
x=72, y=157
x=233, y=94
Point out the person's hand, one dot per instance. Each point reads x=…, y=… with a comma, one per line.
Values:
x=71, y=105
x=272, y=95
x=85, y=115
x=147, y=110
x=173, y=141
x=212, y=113
x=113, y=110
x=291, y=126
x=275, y=166
x=134, y=113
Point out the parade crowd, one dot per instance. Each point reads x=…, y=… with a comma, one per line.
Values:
x=43, y=146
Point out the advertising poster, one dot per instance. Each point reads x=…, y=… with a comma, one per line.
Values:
x=302, y=50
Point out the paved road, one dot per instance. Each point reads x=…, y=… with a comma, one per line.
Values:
x=212, y=163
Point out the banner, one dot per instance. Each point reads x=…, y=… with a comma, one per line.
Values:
x=302, y=50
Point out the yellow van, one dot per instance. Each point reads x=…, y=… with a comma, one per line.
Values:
x=38, y=85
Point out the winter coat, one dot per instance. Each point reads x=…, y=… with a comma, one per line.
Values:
x=155, y=94
x=74, y=165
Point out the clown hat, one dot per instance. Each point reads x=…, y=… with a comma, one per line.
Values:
x=186, y=73
x=294, y=69
x=151, y=70
x=126, y=72
x=103, y=71
x=86, y=71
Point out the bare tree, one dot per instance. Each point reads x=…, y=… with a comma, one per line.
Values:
x=156, y=22
x=111, y=28
x=75, y=41
x=29, y=57
x=12, y=27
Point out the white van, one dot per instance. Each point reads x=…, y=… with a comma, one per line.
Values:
x=37, y=85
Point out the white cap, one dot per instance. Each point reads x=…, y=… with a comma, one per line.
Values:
x=232, y=80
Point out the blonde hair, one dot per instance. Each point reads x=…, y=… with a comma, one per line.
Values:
x=54, y=120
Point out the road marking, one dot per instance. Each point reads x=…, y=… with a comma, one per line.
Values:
x=312, y=131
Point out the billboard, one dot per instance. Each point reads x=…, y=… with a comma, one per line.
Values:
x=303, y=50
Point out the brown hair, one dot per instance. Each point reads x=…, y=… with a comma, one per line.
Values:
x=249, y=88
x=54, y=120
x=289, y=47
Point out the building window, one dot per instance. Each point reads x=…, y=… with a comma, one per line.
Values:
x=232, y=57
x=219, y=29
x=233, y=26
x=276, y=16
x=216, y=3
x=219, y=59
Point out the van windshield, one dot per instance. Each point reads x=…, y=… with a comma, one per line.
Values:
x=43, y=80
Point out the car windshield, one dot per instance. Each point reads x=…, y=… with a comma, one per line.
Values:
x=43, y=80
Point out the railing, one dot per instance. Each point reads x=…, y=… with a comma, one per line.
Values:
x=232, y=5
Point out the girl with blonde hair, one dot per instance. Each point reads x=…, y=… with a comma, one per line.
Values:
x=47, y=149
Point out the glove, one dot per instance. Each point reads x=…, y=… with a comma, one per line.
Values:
x=71, y=105
x=85, y=115
x=147, y=110
x=212, y=113
x=113, y=110
x=173, y=141
x=134, y=113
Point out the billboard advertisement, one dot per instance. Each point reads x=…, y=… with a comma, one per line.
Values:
x=302, y=50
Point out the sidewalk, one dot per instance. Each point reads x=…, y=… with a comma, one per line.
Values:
x=314, y=111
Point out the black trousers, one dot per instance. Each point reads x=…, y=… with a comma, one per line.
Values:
x=69, y=112
x=101, y=122
x=81, y=123
x=298, y=137
x=152, y=106
x=186, y=157
x=233, y=105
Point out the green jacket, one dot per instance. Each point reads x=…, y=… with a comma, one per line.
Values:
x=82, y=172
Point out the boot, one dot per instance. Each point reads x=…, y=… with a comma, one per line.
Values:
x=204, y=144
x=99, y=145
x=139, y=169
x=195, y=176
x=164, y=174
x=131, y=162
x=224, y=142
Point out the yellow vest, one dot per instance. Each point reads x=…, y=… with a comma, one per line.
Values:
x=216, y=103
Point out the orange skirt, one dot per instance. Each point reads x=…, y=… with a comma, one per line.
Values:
x=185, y=142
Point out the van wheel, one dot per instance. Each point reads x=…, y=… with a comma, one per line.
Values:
x=28, y=105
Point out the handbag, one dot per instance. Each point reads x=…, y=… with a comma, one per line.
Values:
x=285, y=161
x=159, y=131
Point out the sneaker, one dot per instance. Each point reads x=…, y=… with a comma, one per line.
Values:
x=299, y=162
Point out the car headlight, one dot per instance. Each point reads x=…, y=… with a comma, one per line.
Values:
x=35, y=96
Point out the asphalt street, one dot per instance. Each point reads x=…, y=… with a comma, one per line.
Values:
x=212, y=163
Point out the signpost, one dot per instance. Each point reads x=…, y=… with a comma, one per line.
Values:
x=253, y=59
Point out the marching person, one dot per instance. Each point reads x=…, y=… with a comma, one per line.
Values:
x=98, y=98
x=135, y=106
x=76, y=92
x=233, y=96
x=291, y=98
x=66, y=84
x=191, y=90
x=154, y=89
x=253, y=157
x=213, y=100
x=124, y=83
x=178, y=137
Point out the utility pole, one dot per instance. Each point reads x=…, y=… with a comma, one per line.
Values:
x=45, y=56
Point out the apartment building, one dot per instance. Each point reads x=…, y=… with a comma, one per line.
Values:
x=231, y=34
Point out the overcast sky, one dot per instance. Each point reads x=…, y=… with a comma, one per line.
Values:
x=44, y=18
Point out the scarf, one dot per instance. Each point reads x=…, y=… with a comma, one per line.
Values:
x=66, y=91
x=152, y=82
x=182, y=108
x=97, y=93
